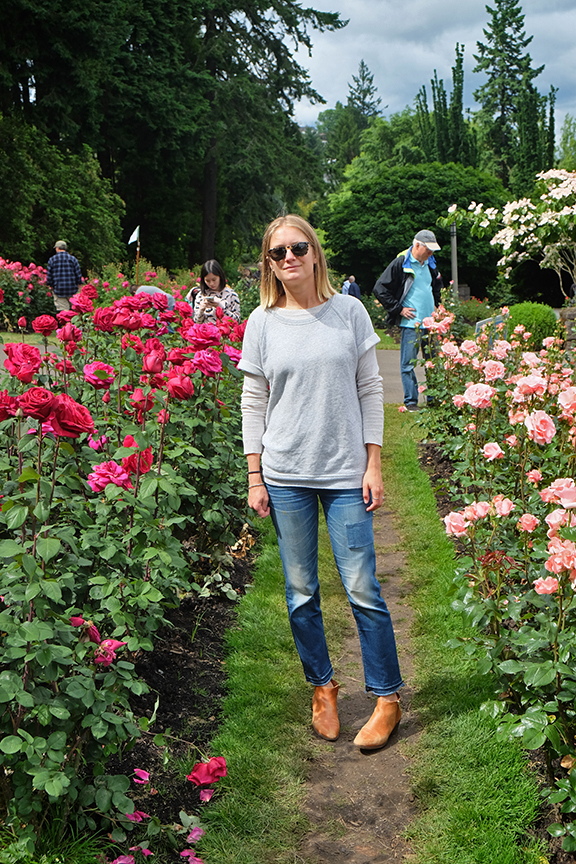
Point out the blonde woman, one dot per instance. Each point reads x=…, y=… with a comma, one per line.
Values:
x=312, y=425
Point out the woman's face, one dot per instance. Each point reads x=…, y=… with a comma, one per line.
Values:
x=212, y=282
x=292, y=270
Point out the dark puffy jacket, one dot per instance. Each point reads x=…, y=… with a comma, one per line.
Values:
x=396, y=281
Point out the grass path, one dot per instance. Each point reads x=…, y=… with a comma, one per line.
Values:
x=476, y=797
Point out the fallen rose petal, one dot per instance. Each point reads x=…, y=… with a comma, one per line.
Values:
x=195, y=834
x=137, y=816
x=206, y=795
x=143, y=776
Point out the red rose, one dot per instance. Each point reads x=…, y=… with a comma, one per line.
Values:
x=37, y=402
x=183, y=308
x=103, y=319
x=89, y=291
x=180, y=387
x=70, y=418
x=148, y=321
x=177, y=356
x=23, y=361
x=69, y=333
x=208, y=772
x=44, y=324
x=128, y=320
x=152, y=363
x=131, y=340
x=155, y=345
x=238, y=332
x=208, y=362
x=130, y=463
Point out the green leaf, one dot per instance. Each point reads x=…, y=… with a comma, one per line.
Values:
x=148, y=486
x=532, y=739
x=28, y=473
x=29, y=565
x=9, y=549
x=16, y=516
x=48, y=548
x=59, y=712
x=569, y=844
x=52, y=590
x=11, y=744
x=539, y=674
x=41, y=511
x=103, y=799
x=557, y=829
x=99, y=729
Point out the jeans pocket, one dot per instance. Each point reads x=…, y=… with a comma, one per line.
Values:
x=360, y=534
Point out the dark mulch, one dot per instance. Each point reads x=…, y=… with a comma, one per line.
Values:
x=185, y=673
x=440, y=470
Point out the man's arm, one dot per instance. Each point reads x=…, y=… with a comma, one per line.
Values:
x=388, y=288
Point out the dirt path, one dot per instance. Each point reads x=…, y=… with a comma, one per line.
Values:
x=364, y=798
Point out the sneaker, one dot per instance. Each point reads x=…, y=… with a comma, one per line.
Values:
x=412, y=407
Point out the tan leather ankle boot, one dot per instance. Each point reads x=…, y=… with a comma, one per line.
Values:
x=324, y=711
x=384, y=720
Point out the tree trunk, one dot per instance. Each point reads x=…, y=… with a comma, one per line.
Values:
x=210, y=203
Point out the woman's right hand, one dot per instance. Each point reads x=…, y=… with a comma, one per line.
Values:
x=258, y=500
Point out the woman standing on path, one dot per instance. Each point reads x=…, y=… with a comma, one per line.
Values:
x=312, y=410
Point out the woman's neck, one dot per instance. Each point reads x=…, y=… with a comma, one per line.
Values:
x=299, y=299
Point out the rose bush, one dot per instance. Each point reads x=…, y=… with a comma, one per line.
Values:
x=513, y=445
x=120, y=493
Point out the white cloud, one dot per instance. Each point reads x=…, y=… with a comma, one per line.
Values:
x=402, y=44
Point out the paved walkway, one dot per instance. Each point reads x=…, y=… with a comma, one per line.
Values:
x=389, y=363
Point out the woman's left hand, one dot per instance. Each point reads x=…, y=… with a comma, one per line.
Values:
x=372, y=484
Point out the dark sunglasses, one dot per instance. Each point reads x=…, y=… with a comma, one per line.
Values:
x=278, y=253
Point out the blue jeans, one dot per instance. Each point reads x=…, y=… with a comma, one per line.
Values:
x=294, y=512
x=411, y=342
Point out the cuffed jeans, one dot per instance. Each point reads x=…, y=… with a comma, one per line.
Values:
x=294, y=512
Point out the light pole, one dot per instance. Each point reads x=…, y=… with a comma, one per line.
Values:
x=454, y=251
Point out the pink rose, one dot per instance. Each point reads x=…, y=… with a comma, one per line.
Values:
x=456, y=524
x=470, y=347
x=500, y=349
x=130, y=463
x=459, y=400
x=106, y=654
x=534, y=476
x=528, y=522
x=402, y=409
x=208, y=772
x=503, y=506
x=37, y=403
x=152, y=363
x=104, y=319
x=540, y=426
x=479, y=395
x=207, y=362
x=234, y=354
x=450, y=349
x=201, y=336
x=82, y=304
x=109, y=472
x=492, y=451
x=100, y=375
x=546, y=586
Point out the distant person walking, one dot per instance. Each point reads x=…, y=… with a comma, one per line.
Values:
x=353, y=287
x=63, y=276
x=409, y=289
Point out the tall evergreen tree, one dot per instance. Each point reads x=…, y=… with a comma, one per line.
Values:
x=503, y=58
x=362, y=94
x=441, y=129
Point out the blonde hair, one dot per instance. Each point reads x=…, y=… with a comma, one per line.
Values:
x=271, y=287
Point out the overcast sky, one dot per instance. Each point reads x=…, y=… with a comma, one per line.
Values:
x=403, y=41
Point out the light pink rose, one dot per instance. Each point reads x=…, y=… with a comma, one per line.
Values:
x=528, y=522
x=494, y=369
x=546, y=586
x=534, y=476
x=108, y=472
x=456, y=524
x=503, y=506
x=568, y=497
x=528, y=357
x=500, y=349
x=459, y=400
x=429, y=323
x=479, y=395
x=540, y=426
x=552, y=493
x=492, y=451
x=529, y=385
x=511, y=440
x=476, y=511
x=567, y=399
x=450, y=349
x=469, y=346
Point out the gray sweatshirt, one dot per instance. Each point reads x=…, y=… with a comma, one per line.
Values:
x=312, y=394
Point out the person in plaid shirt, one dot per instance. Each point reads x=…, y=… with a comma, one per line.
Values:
x=63, y=276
